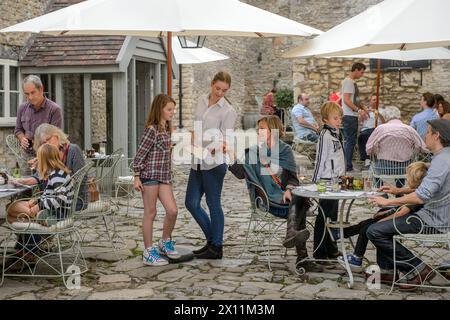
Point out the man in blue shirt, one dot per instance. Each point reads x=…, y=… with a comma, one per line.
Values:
x=419, y=121
x=303, y=121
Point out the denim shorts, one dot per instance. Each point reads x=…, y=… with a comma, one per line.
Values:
x=149, y=182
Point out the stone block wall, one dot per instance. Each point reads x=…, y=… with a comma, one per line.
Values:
x=98, y=110
x=12, y=12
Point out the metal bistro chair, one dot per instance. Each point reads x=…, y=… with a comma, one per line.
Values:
x=100, y=207
x=389, y=171
x=58, y=252
x=306, y=148
x=22, y=157
x=263, y=227
x=432, y=245
x=124, y=188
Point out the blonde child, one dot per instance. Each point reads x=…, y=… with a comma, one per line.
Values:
x=51, y=206
x=152, y=177
x=415, y=173
x=330, y=164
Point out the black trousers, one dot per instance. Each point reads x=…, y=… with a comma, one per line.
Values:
x=323, y=249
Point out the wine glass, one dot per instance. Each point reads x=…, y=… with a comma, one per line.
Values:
x=301, y=174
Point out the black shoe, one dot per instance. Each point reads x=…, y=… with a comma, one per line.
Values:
x=298, y=238
x=212, y=252
x=303, y=264
x=202, y=249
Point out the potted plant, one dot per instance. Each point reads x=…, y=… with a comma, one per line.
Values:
x=284, y=99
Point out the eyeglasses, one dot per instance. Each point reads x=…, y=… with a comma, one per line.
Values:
x=47, y=139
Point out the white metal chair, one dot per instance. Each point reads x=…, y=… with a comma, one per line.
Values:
x=47, y=251
x=264, y=229
x=124, y=188
x=306, y=148
x=388, y=171
x=101, y=208
x=431, y=245
x=22, y=157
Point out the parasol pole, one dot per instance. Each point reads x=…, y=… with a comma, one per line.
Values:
x=169, y=64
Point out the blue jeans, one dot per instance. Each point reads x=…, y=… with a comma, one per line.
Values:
x=350, y=131
x=313, y=137
x=381, y=235
x=208, y=183
x=362, y=141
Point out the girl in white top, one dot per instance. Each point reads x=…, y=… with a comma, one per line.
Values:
x=214, y=121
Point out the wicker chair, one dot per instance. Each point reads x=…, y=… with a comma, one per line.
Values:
x=432, y=245
x=58, y=252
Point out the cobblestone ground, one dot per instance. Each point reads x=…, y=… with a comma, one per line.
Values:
x=236, y=276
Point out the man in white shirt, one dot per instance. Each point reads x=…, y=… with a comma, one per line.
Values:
x=303, y=121
x=367, y=125
x=351, y=105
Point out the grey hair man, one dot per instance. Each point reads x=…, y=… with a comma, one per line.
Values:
x=36, y=110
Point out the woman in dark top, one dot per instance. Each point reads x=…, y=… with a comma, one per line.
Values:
x=271, y=165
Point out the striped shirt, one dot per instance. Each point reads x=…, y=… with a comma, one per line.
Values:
x=152, y=160
x=419, y=121
x=394, y=141
x=57, y=196
x=435, y=186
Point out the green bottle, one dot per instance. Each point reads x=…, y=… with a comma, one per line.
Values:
x=16, y=171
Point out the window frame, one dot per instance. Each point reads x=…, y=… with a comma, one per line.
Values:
x=7, y=120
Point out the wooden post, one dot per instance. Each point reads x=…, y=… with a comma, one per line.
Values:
x=378, y=90
x=169, y=64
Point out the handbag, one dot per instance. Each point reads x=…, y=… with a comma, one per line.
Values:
x=92, y=190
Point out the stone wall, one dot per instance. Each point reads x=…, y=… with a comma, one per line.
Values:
x=258, y=63
x=12, y=12
x=98, y=110
x=197, y=78
x=12, y=46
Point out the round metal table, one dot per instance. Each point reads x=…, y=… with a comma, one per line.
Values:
x=306, y=191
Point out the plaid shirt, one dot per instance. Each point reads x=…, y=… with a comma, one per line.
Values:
x=152, y=160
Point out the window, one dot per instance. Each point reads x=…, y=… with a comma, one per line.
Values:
x=10, y=96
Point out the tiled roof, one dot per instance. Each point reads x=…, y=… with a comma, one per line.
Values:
x=72, y=50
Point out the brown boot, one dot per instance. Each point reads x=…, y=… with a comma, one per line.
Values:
x=294, y=236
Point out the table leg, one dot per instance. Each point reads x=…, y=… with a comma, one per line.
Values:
x=341, y=239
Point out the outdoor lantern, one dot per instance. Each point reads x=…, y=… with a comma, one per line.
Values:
x=194, y=42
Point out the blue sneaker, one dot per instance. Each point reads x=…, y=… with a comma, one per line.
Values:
x=167, y=248
x=335, y=234
x=151, y=257
x=354, y=262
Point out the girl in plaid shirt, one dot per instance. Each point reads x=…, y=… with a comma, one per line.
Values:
x=152, y=177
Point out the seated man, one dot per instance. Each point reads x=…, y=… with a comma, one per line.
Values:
x=419, y=121
x=305, y=126
x=276, y=173
x=434, y=186
x=394, y=144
